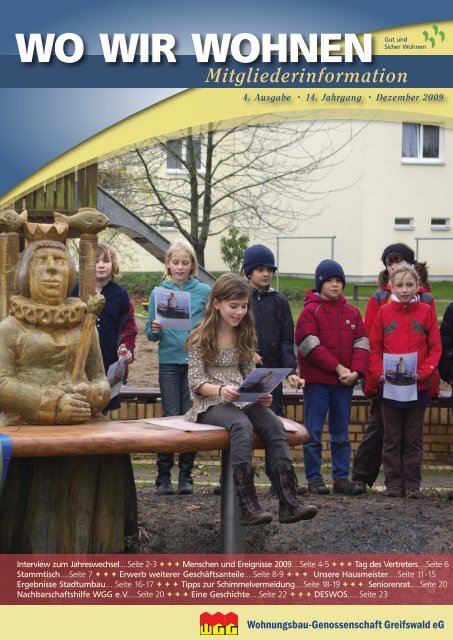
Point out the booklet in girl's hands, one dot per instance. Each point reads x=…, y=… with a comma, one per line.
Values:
x=261, y=381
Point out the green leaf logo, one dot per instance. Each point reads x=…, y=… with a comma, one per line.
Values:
x=433, y=39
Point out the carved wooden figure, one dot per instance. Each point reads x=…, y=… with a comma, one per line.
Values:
x=40, y=337
x=51, y=372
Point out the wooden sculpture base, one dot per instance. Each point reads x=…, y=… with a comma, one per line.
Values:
x=73, y=504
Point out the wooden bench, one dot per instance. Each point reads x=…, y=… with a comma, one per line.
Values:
x=67, y=460
x=356, y=287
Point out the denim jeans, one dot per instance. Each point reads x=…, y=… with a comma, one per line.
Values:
x=175, y=394
x=320, y=400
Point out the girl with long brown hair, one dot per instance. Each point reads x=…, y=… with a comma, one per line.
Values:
x=221, y=355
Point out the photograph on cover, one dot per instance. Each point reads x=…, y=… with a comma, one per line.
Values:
x=173, y=310
x=400, y=381
x=344, y=186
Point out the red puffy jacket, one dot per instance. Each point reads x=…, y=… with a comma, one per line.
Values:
x=329, y=333
x=382, y=297
x=404, y=328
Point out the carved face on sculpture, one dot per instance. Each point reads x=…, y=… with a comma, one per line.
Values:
x=48, y=276
x=43, y=265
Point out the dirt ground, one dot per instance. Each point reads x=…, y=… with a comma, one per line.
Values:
x=361, y=524
x=370, y=523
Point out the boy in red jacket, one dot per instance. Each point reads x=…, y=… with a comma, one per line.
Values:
x=405, y=326
x=333, y=354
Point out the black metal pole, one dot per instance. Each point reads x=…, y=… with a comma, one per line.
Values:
x=231, y=532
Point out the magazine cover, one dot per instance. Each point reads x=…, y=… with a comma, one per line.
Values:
x=315, y=131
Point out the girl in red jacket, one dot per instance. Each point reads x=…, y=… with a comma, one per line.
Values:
x=405, y=326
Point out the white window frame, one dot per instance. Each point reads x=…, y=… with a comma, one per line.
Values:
x=165, y=225
x=440, y=227
x=183, y=170
x=420, y=159
x=403, y=226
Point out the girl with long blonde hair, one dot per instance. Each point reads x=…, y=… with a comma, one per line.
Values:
x=181, y=267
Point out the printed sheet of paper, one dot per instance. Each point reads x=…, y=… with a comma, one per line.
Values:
x=260, y=381
x=173, y=309
x=400, y=371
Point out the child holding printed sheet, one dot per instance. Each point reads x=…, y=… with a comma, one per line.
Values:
x=368, y=457
x=181, y=268
x=405, y=326
x=116, y=324
x=221, y=355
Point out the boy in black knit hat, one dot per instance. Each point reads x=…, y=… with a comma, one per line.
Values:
x=273, y=322
x=273, y=319
x=333, y=355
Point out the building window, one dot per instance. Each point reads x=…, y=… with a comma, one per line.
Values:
x=404, y=223
x=440, y=224
x=422, y=144
x=167, y=225
x=180, y=153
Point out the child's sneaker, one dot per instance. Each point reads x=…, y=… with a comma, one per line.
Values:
x=346, y=486
x=318, y=486
x=413, y=493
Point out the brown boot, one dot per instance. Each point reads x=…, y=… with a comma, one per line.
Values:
x=252, y=513
x=291, y=509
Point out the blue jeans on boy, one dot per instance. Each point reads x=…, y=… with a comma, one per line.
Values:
x=175, y=394
x=320, y=400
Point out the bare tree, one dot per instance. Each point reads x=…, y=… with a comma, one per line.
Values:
x=254, y=176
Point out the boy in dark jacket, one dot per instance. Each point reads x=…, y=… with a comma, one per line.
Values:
x=333, y=354
x=273, y=323
x=273, y=320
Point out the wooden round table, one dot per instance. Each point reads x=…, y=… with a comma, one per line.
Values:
x=70, y=488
